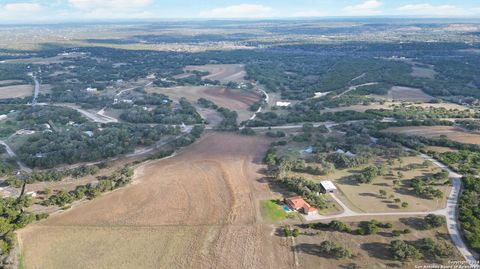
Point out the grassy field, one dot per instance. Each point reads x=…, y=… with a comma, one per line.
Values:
x=366, y=197
x=272, y=210
x=16, y=91
x=453, y=133
x=198, y=209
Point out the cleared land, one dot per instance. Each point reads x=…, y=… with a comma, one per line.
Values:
x=423, y=72
x=198, y=209
x=237, y=100
x=370, y=251
x=453, y=133
x=408, y=94
x=366, y=197
x=16, y=91
x=391, y=105
x=221, y=72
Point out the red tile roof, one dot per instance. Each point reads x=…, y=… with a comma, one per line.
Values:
x=297, y=203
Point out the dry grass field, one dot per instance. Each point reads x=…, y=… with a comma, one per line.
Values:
x=423, y=72
x=237, y=100
x=221, y=72
x=453, y=133
x=371, y=251
x=441, y=149
x=16, y=91
x=408, y=94
x=390, y=105
x=366, y=197
x=198, y=209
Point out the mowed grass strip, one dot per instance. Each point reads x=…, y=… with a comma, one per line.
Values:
x=272, y=211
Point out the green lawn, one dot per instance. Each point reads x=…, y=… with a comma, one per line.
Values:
x=271, y=211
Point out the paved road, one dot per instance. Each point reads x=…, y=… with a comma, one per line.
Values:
x=450, y=212
x=36, y=90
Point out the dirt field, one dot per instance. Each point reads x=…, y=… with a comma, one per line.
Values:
x=451, y=132
x=221, y=72
x=408, y=94
x=371, y=251
x=16, y=91
x=238, y=100
x=198, y=209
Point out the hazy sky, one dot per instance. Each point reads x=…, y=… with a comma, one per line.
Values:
x=73, y=10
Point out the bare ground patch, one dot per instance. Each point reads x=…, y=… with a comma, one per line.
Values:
x=195, y=210
x=16, y=91
x=221, y=72
x=408, y=94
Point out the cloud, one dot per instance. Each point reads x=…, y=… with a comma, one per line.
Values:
x=367, y=8
x=14, y=11
x=428, y=9
x=110, y=4
x=111, y=9
x=309, y=13
x=239, y=11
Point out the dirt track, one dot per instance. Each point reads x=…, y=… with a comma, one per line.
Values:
x=195, y=210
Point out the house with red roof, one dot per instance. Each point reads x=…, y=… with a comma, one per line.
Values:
x=299, y=204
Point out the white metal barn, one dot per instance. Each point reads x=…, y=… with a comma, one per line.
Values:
x=328, y=186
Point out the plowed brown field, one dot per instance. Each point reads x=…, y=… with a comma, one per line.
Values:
x=198, y=209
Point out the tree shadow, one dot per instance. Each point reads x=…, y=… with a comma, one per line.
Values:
x=347, y=180
x=377, y=250
x=369, y=194
x=311, y=249
x=413, y=222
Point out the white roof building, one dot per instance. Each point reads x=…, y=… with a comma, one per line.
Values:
x=283, y=103
x=3, y=117
x=328, y=186
x=91, y=89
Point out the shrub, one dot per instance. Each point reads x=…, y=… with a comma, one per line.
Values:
x=434, y=221
x=403, y=251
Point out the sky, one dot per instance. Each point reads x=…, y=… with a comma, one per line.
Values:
x=32, y=11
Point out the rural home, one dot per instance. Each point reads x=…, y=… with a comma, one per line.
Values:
x=328, y=186
x=297, y=203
